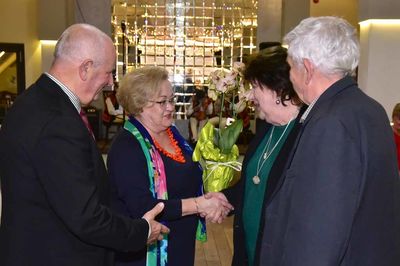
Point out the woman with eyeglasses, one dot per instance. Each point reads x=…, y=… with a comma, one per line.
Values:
x=150, y=162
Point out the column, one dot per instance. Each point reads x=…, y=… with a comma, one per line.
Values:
x=269, y=21
x=94, y=12
x=379, y=71
x=275, y=18
x=55, y=16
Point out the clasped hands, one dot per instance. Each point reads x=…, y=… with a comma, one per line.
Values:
x=213, y=206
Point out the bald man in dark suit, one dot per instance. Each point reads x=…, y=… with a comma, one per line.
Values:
x=53, y=178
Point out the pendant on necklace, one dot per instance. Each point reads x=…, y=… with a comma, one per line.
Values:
x=256, y=180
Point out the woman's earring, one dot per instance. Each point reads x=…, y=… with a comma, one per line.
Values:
x=277, y=101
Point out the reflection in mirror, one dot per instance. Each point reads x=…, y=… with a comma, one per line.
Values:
x=12, y=75
x=8, y=72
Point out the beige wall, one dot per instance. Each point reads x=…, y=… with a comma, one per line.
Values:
x=20, y=23
x=294, y=11
x=379, y=71
x=54, y=16
x=347, y=9
x=382, y=9
x=18, y=20
x=284, y=15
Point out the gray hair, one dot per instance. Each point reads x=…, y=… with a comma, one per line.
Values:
x=81, y=41
x=330, y=43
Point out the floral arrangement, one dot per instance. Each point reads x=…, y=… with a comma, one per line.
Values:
x=216, y=149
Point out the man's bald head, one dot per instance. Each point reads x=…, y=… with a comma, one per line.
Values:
x=81, y=41
x=84, y=60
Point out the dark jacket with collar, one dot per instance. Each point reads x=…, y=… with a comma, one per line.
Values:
x=235, y=194
x=54, y=187
x=339, y=202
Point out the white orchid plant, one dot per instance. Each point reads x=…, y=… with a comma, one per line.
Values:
x=229, y=83
x=229, y=86
x=216, y=149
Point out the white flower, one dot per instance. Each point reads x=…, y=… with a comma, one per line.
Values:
x=238, y=67
x=244, y=92
x=230, y=84
x=212, y=94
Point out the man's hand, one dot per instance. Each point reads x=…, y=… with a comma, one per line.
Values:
x=214, y=207
x=156, y=229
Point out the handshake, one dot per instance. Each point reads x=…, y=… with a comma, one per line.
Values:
x=213, y=206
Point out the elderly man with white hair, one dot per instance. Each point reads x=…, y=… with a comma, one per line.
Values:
x=338, y=202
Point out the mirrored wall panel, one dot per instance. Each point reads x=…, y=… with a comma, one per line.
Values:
x=189, y=38
x=12, y=75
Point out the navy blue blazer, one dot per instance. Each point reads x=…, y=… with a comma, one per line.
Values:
x=131, y=196
x=339, y=202
x=54, y=187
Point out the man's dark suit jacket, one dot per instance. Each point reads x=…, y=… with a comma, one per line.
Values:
x=235, y=194
x=339, y=203
x=54, y=186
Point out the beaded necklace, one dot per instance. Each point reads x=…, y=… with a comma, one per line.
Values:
x=178, y=155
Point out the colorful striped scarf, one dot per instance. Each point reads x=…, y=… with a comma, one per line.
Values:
x=157, y=253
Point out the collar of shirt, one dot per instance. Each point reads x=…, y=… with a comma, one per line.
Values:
x=72, y=97
x=308, y=110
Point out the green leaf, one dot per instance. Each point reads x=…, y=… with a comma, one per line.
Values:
x=229, y=136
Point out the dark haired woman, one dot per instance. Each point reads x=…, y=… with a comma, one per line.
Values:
x=279, y=110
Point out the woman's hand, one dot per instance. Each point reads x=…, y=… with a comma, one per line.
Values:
x=213, y=206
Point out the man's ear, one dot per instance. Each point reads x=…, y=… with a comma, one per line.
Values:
x=84, y=69
x=309, y=67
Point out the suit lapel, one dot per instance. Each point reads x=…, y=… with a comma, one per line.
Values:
x=282, y=163
x=63, y=101
x=290, y=147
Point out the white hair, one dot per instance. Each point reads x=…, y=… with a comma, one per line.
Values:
x=330, y=43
